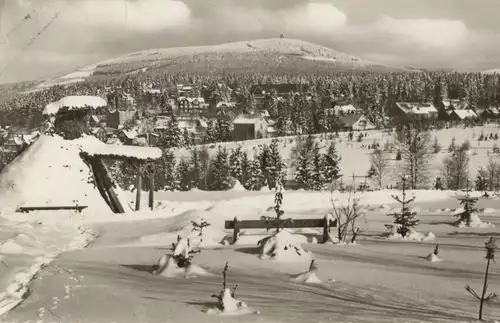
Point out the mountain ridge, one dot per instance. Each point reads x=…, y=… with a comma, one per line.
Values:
x=261, y=55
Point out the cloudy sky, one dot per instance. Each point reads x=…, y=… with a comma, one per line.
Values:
x=461, y=34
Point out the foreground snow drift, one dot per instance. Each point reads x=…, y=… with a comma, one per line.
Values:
x=231, y=306
x=47, y=240
x=412, y=236
x=283, y=246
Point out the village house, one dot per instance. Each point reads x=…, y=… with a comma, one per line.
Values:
x=460, y=115
x=415, y=110
x=491, y=113
x=127, y=136
x=356, y=122
x=338, y=108
x=196, y=127
x=191, y=107
x=248, y=127
x=117, y=119
x=453, y=104
x=100, y=133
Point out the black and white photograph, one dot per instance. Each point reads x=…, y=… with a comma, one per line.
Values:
x=249, y=161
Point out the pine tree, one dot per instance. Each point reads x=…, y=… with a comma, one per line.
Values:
x=482, y=180
x=331, y=170
x=469, y=207
x=195, y=173
x=277, y=166
x=183, y=175
x=172, y=136
x=235, y=162
x=405, y=221
x=245, y=168
x=302, y=175
x=222, y=131
x=220, y=174
x=255, y=180
x=165, y=172
x=210, y=136
x=317, y=166
x=186, y=138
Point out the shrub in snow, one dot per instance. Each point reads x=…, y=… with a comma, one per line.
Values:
x=490, y=255
x=434, y=256
x=309, y=276
x=199, y=226
x=404, y=221
x=226, y=301
x=347, y=217
x=468, y=216
x=180, y=261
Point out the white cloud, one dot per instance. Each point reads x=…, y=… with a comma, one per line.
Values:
x=314, y=18
x=311, y=18
x=143, y=15
x=433, y=33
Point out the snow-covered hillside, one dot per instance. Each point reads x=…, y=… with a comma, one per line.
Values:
x=356, y=156
x=245, y=55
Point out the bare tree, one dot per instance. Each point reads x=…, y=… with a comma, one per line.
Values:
x=456, y=169
x=415, y=147
x=380, y=165
x=347, y=215
x=493, y=170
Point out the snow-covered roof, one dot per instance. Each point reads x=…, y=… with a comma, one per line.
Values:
x=246, y=119
x=98, y=148
x=228, y=104
x=463, y=114
x=74, y=102
x=345, y=107
x=130, y=134
x=417, y=108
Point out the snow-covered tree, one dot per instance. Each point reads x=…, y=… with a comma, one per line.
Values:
x=184, y=175
x=235, y=162
x=220, y=174
x=331, y=170
x=254, y=180
x=222, y=131
x=165, y=172
x=171, y=137
x=405, y=220
x=481, y=180
x=272, y=164
x=416, y=156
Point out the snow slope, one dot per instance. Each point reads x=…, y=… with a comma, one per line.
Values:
x=50, y=172
x=376, y=280
x=355, y=159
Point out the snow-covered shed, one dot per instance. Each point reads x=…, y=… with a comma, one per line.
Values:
x=248, y=127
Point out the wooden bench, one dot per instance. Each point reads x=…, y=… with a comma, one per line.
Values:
x=26, y=209
x=324, y=223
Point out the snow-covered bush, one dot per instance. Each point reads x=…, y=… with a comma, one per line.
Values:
x=434, y=256
x=180, y=261
x=308, y=277
x=226, y=301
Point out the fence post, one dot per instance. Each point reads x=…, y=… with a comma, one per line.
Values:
x=326, y=229
x=236, y=230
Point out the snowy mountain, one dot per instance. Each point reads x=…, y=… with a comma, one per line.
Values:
x=263, y=55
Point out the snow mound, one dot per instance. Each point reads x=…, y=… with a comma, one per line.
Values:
x=238, y=187
x=43, y=174
x=432, y=257
x=232, y=306
x=168, y=268
x=283, y=246
x=308, y=277
x=412, y=236
x=475, y=223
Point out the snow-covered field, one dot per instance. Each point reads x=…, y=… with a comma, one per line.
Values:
x=50, y=277
x=356, y=156
x=376, y=280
